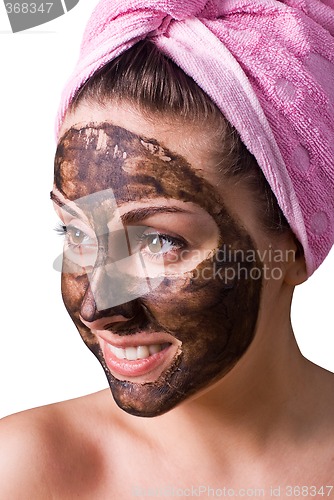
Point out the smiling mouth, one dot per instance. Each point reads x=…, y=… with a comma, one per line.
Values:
x=136, y=352
x=140, y=357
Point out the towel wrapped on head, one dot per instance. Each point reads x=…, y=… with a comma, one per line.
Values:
x=269, y=67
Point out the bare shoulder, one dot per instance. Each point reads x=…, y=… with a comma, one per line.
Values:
x=51, y=451
x=24, y=454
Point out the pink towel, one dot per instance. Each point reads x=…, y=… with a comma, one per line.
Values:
x=269, y=67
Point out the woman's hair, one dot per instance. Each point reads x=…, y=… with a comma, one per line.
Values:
x=145, y=77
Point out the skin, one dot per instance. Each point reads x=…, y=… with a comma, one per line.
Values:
x=198, y=312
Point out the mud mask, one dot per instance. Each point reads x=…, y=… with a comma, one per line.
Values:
x=203, y=301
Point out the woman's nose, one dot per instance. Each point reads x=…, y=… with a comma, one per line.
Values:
x=100, y=320
x=98, y=302
x=96, y=319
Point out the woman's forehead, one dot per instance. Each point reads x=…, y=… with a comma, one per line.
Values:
x=191, y=140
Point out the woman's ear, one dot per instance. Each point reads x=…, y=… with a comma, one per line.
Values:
x=296, y=272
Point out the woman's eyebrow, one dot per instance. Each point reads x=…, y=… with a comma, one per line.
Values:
x=63, y=205
x=131, y=217
x=139, y=214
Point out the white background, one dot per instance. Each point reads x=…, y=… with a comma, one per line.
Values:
x=42, y=357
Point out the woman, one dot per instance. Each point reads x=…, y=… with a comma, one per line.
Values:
x=190, y=212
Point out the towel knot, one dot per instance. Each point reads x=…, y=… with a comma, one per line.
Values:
x=148, y=17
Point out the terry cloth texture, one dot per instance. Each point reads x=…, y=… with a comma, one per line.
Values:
x=268, y=65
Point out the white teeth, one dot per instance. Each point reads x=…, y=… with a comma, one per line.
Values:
x=154, y=348
x=133, y=353
x=143, y=352
x=118, y=351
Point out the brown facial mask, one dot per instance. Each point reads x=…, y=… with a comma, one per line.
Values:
x=207, y=304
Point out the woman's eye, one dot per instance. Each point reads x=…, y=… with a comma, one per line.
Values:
x=156, y=244
x=76, y=236
x=76, y=240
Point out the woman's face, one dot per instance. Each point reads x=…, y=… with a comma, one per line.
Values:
x=161, y=273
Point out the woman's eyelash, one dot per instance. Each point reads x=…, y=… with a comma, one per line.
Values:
x=60, y=229
x=144, y=238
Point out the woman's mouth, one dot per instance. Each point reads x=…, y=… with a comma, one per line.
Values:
x=136, y=358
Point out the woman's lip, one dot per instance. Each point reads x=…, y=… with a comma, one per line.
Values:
x=139, y=370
